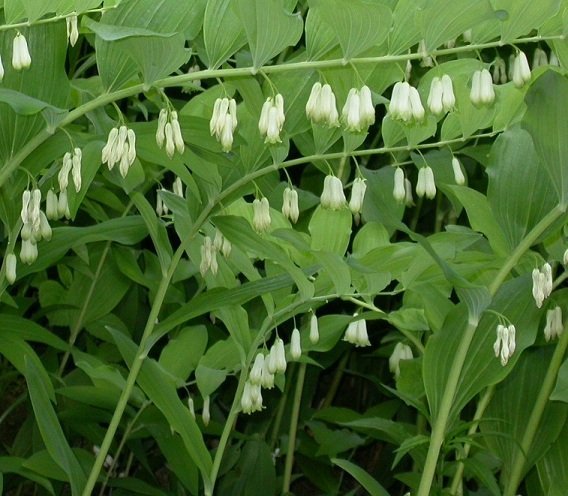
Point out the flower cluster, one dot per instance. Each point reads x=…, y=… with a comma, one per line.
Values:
x=332, y=196
x=499, y=71
x=57, y=207
x=504, y=345
x=356, y=333
x=261, y=214
x=21, y=58
x=35, y=225
x=321, y=107
x=542, y=284
x=272, y=119
x=224, y=122
x=426, y=186
x=358, y=112
x=405, y=104
x=441, y=98
x=120, y=149
x=71, y=164
x=482, y=92
x=554, y=326
x=290, y=207
x=521, y=70
x=401, y=352
x=169, y=133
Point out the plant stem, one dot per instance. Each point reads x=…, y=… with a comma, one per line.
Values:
x=293, y=428
x=519, y=459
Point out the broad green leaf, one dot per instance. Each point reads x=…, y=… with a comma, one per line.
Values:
x=182, y=353
x=336, y=269
x=560, y=392
x=156, y=230
x=15, y=465
x=269, y=28
x=481, y=216
x=518, y=201
x=23, y=104
x=113, y=32
x=372, y=486
x=553, y=466
x=320, y=36
x=223, y=35
x=360, y=25
x=546, y=121
x=510, y=412
x=162, y=392
x=379, y=205
x=441, y=20
x=520, y=17
x=50, y=429
x=257, y=469
x=15, y=327
x=480, y=367
x=331, y=229
x=405, y=32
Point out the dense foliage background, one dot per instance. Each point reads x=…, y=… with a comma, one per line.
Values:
x=165, y=254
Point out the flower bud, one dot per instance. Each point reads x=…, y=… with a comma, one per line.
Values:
x=425, y=185
x=20, y=55
x=178, y=137
x=76, y=170
x=261, y=215
x=415, y=104
x=547, y=285
x=565, y=258
x=448, y=97
x=458, y=174
x=206, y=414
x=290, y=207
x=554, y=326
x=170, y=145
x=314, y=330
x=11, y=263
x=537, y=289
x=51, y=205
x=63, y=205
x=44, y=227
x=553, y=60
x=191, y=406
x=255, y=374
x=161, y=129
x=434, y=101
x=400, y=352
x=108, y=154
x=521, y=70
x=487, y=93
x=398, y=191
x=178, y=187
x=539, y=58
x=499, y=71
x=295, y=345
x=25, y=212
x=72, y=31
x=357, y=195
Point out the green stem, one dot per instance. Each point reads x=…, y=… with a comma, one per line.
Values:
x=438, y=430
x=293, y=429
x=519, y=459
x=336, y=381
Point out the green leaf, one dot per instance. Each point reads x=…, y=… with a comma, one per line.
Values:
x=522, y=16
x=481, y=216
x=519, y=201
x=331, y=229
x=546, y=121
x=15, y=327
x=269, y=28
x=405, y=32
x=320, y=36
x=15, y=465
x=361, y=476
x=335, y=267
x=560, y=392
x=553, y=466
x=156, y=229
x=112, y=32
x=360, y=26
x=162, y=392
x=223, y=35
x=50, y=429
x=182, y=353
x=24, y=104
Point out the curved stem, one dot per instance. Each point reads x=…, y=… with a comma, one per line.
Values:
x=293, y=428
x=519, y=459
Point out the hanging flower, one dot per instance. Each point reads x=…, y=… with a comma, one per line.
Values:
x=458, y=174
x=499, y=71
x=224, y=122
x=482, y=92
x=295, y=344
x=168, y=132
x=21, y=58
x=272, y=119
x=255, y=375
x=401, y=352
x=554, y=326
x=314, y=329
x=222, y=244
x=208, y=257
x=261, y=215
x=405, y=104
x=356, y=333
x=504, y=345
x=332, y=196
x=72, y=31
x=521, y=70
x=277, y=357
x=426, y=186
x=357, y=195
x=321, y=106
x=120, y=149
x=11, y=263
x=290, y=207
x=358, y=112
x=251, y=400
x=398, y=191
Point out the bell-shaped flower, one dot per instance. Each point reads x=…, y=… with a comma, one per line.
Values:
x=405, y=104
x=499, y=71
x=554, y=326
x=272, y=119
x=208, y=257
x=255, y=375
x=224, y=122
x=448, y=97
x=505, y=344
x=72, y=31
x=357, y=195
x=434, y=101
x=295, y=345
x=314, y=329
x=356, y=333
x=358, y=113
x=401, y=352
x=251, y=400
x=458, y=173
x=321, y=107
x=261, y=215
x=540, y=58
x=332, y=196
x=290, y=207
x=426, y=186
x=277, y=357
x=482, y=92
x=51, y=205
x=21, y=58
x=398, y=191
x=521, y=70
x=11, y=263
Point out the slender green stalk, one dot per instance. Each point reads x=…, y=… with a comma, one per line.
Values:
x=439, y=427
x=535, y=418
x=293, y=428
x=336, y=381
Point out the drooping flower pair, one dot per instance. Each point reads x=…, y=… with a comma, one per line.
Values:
x=321, y=107
x=224, y=122
x=71, y=164
x=272, y=119
x=356, y=333
x=35, y=225
x=441, y=98
x=405, y=104
x=358, y=113
x=169, y=133
x=482, y=92
x=505, y=345
x=21, y=58
x=542, y=284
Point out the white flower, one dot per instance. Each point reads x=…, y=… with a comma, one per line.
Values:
x=251, y=400
x=314, y=329
x=177, y=187
x=401, y=352
x=28, y=252
x=161, y=130
x=63, y=176
x=434, y=101
x=398, y=191
x=295, y=345
x=255, y=375
x=44, y=227
x=191, y=406
x=547, y=280
x=357, y=195
x=261, y=215
x=224, y=122
x=521, y=70
x=499, y=71
x=321, y=106
x=178, y=137
x=290, y=207
x=208, y=257
x=356, y=333
x=425, y=186
x=76, y=170
x=267, y=379
x=358, y=113
x=565, y=257
x=482, y=92
x=539, y=58
x=20, y=55
x=415, y=104
x=206, y=414
x=1, y=70
x=554, y=326
x=72, y=31
x=408, y=200
x=332, y=196
x=504, y=345
x=51, y=205
x=11, y=263
x=277, y=357
x=272, y=119
x=161, y=207
x=458, y=174
x=448, y=97
x=405, y=104
x=222, y=244
x=63, y=205
x=538, y=279
x=170, y=145
x=120, y=148
x=553, y=60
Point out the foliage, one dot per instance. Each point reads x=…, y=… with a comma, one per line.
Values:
x=194, y=306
